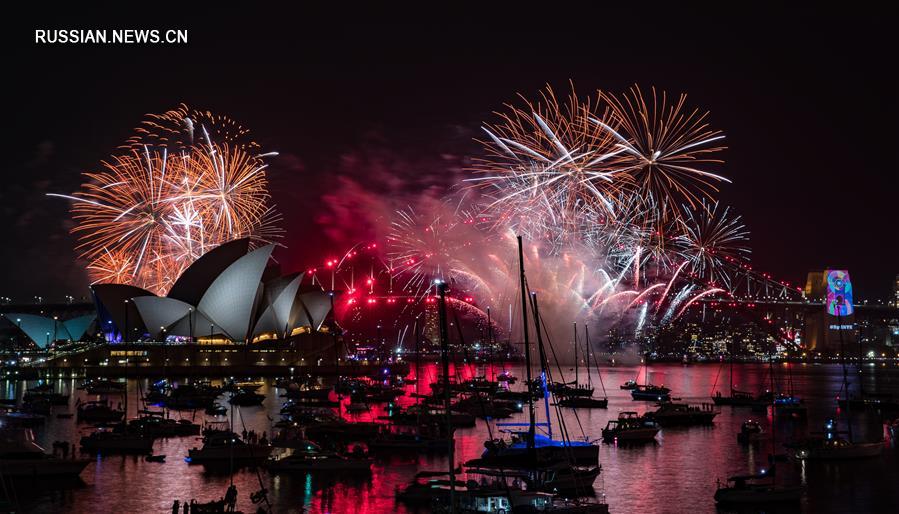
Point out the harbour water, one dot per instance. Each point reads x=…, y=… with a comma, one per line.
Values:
x=677, y=474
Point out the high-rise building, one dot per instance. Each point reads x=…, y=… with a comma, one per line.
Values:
x=834, y=325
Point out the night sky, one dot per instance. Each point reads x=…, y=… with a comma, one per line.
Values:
x=389, y=102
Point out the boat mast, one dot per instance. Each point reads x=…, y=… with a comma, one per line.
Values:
x=733, y=349
x=839, y=307
x=544, y=365
x=576, y=382
x=527, y=348
x=444, y=357
x=587, y=353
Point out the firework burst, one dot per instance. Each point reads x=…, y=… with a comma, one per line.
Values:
x=547, y=168
x=153, y=210
x=666, y=148
x=710, y=239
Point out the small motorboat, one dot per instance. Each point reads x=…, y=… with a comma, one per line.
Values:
x=630, y=384
x=226, y=447
x=630, y=428
x=747, y=490
x=584, y=402
x=116, y=441
x=651, y=393
x=681, y=414
x=245, y=398
x=316, y=461
x=357, y=407
x=216, y=409
x=832, y=446
x=750, y=432
x=21, y=457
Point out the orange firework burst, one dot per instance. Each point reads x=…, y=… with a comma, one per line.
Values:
x=184, y=127
x=152, y=211
x=666, y=148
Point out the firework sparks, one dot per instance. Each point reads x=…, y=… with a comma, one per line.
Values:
x=151, y=212
x=710, y=239
x=548, y=165
x=666, y=148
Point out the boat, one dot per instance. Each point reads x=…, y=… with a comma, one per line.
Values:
x=158, y=426
x=417, y=414
x=630, y=428
x=47, y=396
x=681, y=414
x=789, y=405
x=224, y=448
x=427, y=487
x=750, y=432
x=356, y=407
x=483, y=405
x=103, y=386
x=294, y=391
x=245, y=398
x=116, y=440
x=630, y=384
x=315, y=460
x=216, y=409
x=501, y=499
x=883, y=402
x=832, y=446
x=410, y=437
x=507, y=377
x=747, y=490
x=583, y=402
x=515, y=450
x=199, y=395
x=244, y=385
x=98, y=412
x=651, y=393
x=14, y=418
x=735, y=398
x=155, y=458
x=559, y=477
x=22, y=458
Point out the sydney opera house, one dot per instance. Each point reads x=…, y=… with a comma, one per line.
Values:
x=230, y=305
x=229, y=295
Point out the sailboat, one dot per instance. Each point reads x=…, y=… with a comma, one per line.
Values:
x=573, y=389
x=546, y=464
x=648, y=392
x=736, y=398
x=587, y=402
x=761, y=488
x=832, y=446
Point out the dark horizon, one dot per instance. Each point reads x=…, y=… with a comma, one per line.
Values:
x=805, y=99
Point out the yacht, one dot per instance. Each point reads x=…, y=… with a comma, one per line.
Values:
x=750, y=432
x=223, y=447
x=832, y=446
x=748, y=490
x=118, y=440
x=651, y=393
x=21, y=457
x=309, y=461
x=630, y=428
x=680, y=414
x=98, y=412
x=500, y=451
